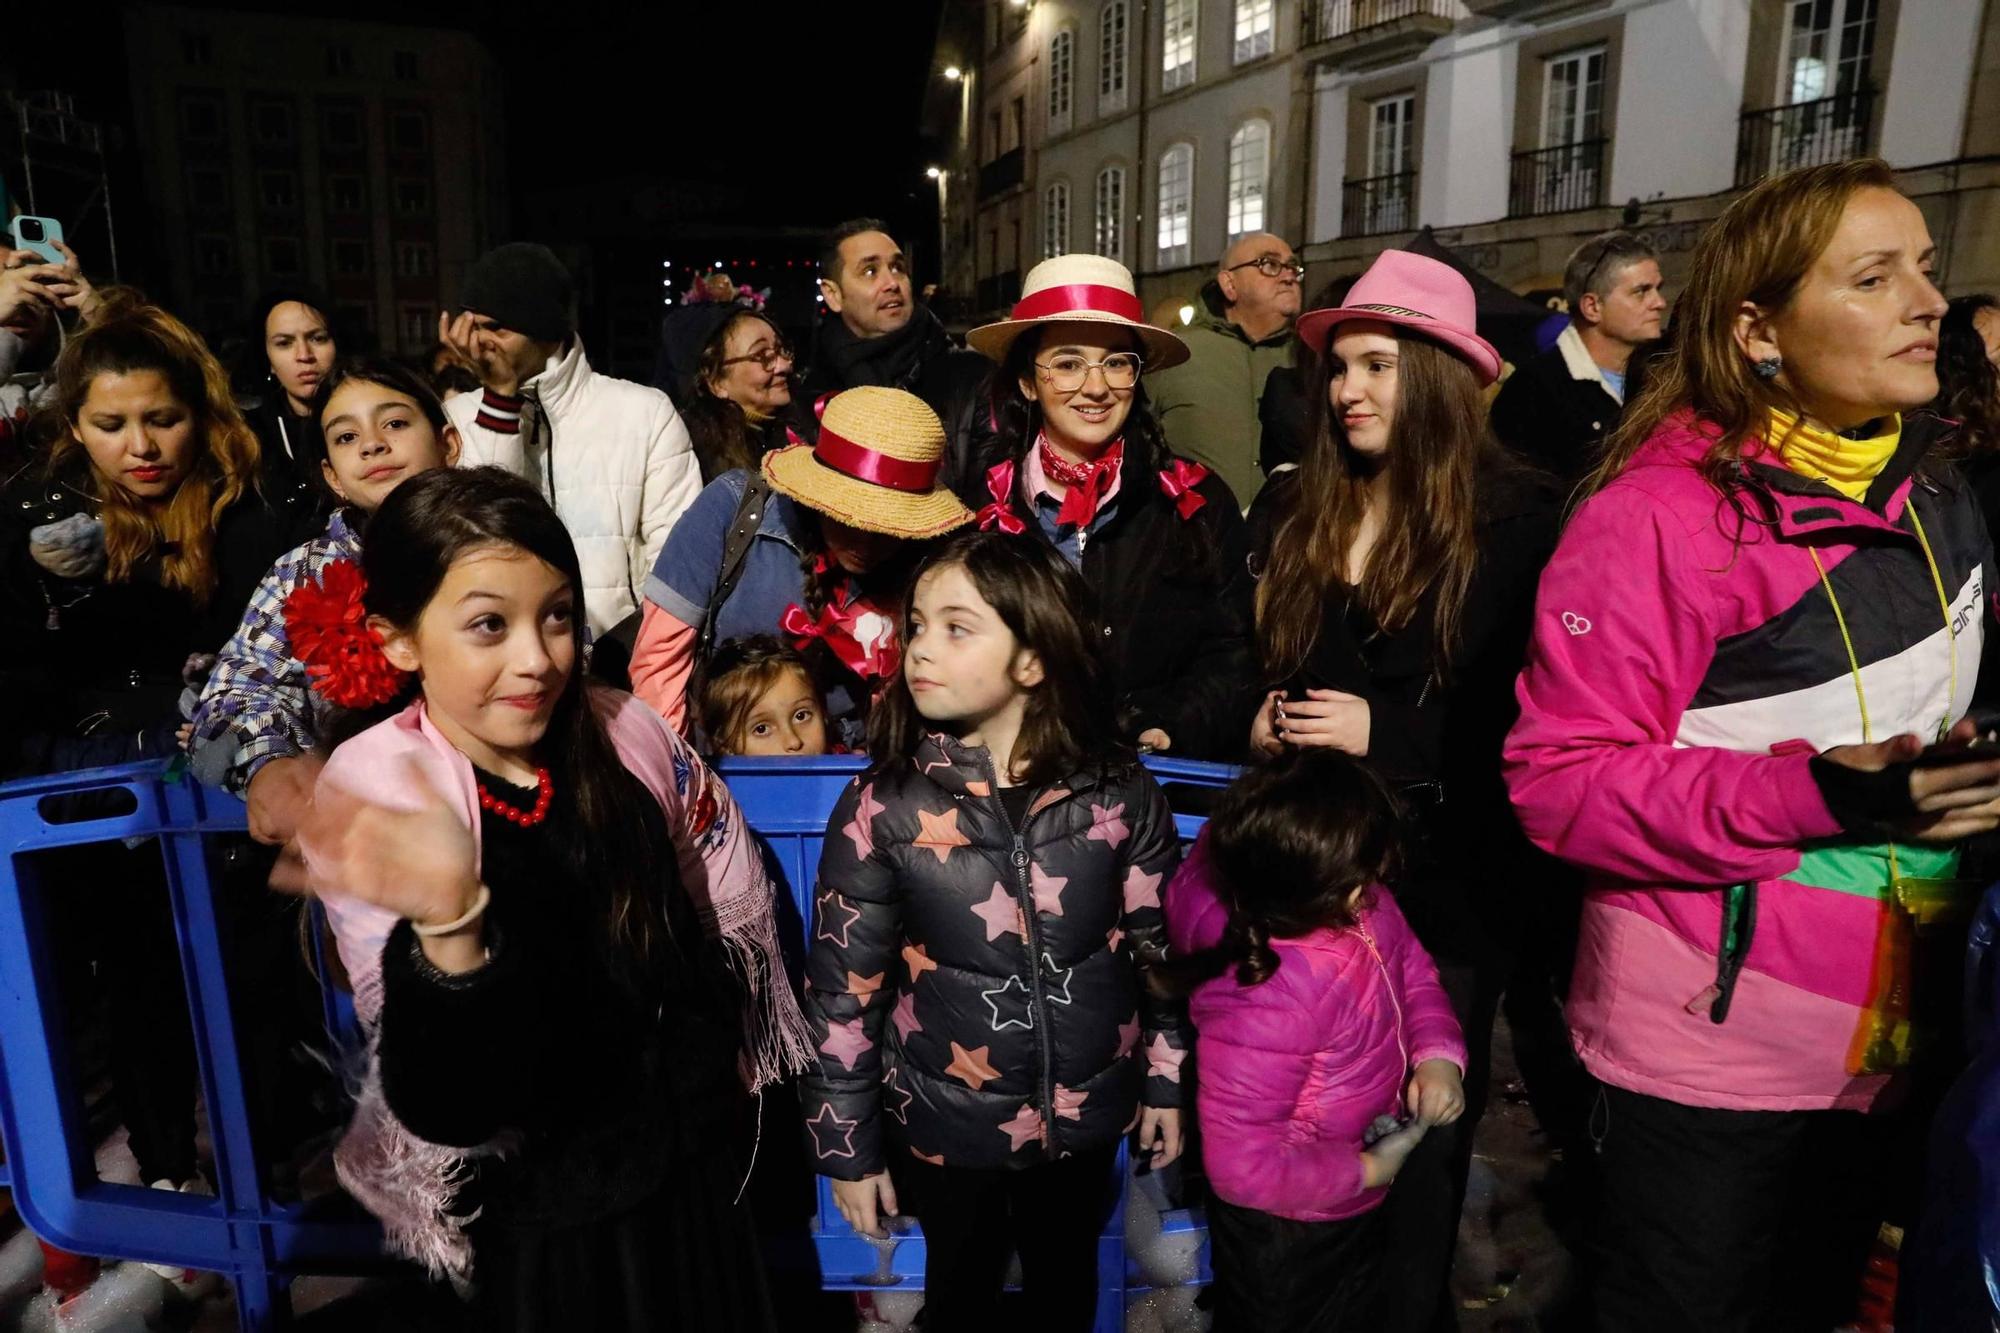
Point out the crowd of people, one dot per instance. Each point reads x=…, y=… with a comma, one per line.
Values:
x=1636, y=690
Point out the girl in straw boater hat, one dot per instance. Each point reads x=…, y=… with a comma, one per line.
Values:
x=815, y=548
x=1068, y=452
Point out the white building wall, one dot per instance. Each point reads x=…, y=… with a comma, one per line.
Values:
x=1680, y=94
x=1924, y=109
x=1468, y=132
x=1329, y=168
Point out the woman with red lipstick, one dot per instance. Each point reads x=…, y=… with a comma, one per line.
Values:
x=1397, y=575
x=124, y=559
x=1775, y=599
x=1064, y=447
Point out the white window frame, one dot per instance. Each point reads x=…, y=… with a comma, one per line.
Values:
x=1062, y=79
x=1174, y=237
x=1180, y=33
x=1249, y=178
x=1113, y=27
x=1575, y=123
x=1853, y=24
x=1256, y=29
x=1392, y=154
x=1055, y=220
x=1109, y=212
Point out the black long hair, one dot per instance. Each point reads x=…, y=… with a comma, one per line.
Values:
x=1048, y=608
x=1290, y=842
x=425, y=525
x=1968, y=383
x=253, y=375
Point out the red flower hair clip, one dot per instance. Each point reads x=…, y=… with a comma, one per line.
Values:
x=327, y=625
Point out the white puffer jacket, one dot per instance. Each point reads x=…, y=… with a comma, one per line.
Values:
x=613, y=458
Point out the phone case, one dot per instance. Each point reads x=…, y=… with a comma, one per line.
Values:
x=52, y=232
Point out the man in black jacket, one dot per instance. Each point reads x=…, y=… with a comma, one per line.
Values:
x=1557, y=408
x=875, y=332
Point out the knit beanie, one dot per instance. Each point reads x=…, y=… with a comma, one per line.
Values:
x=524, y=287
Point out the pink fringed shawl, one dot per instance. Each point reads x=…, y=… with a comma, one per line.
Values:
x=410, y=1184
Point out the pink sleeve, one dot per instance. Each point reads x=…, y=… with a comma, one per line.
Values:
x=662, y=661
x=1196, y=917
x=1430, y=1027
x=1621, y=642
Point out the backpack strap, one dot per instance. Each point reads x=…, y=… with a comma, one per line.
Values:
x=742, y=532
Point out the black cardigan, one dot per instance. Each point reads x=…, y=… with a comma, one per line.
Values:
x=1436, y=734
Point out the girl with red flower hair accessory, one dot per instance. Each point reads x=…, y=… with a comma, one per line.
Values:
x=561, y=939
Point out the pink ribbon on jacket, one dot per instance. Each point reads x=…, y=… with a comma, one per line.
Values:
x=1179, y=482
x=1000, y=485
x=835, y=629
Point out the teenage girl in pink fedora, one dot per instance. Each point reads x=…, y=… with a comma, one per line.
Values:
x=1397, y=572
x=1064, y=449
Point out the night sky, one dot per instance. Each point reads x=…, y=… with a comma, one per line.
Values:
x=812, y=108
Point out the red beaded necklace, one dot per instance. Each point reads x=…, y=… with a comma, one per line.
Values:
x=544, y=789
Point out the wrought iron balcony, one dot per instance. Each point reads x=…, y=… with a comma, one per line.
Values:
x=1378, y=204
x=1561, y=179
x=1003, y=173
x=1355, y=34
x=1804, y=134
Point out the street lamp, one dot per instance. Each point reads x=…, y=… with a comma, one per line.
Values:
x=932, y=172
x=953, y=73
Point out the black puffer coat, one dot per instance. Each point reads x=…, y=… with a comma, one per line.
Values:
x=981, y=988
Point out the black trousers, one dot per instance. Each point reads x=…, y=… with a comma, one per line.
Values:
x=1733, y=1221
x=1303, y=1277
x=1420, y=1216
x=1051, y=1215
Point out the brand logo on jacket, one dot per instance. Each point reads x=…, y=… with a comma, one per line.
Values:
x=1575, y=623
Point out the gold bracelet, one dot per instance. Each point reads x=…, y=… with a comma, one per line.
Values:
x=479, y=905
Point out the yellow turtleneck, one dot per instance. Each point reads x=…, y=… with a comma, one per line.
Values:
x=1849, y=466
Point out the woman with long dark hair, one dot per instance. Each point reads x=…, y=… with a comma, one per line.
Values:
x=1772, y=602
x=551, y=911
x=731, y=373
x=1397, y=575
x=289, y=346
x=1065, y=448
x=1969, y=393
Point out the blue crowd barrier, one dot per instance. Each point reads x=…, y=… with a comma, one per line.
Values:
x=257, y=1243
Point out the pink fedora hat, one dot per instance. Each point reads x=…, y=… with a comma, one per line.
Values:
x=1417, y=293
x=1080, y=289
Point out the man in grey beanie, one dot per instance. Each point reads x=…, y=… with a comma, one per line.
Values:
x=612, y=456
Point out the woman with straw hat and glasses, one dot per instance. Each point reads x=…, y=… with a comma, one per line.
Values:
x=1397, y=573
x=815, y=547
x=1065, y=448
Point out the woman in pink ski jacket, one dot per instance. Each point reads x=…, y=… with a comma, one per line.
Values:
x=1772, y=601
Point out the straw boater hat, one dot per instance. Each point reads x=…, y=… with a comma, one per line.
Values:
x=1084, y=289
x=1413, y=292
x=875, y=466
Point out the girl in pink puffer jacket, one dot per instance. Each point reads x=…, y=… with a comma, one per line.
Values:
x=1324, y=1043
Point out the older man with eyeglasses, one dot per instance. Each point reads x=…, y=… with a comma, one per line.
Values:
x=1241, y=332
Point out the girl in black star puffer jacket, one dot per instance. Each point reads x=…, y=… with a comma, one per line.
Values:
x=982, y=933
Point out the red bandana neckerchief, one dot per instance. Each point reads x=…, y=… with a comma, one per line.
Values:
x=1086, y=482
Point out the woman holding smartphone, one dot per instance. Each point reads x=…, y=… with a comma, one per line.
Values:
x=1397, y=573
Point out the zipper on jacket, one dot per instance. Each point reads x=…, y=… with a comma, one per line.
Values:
x=1024, y=897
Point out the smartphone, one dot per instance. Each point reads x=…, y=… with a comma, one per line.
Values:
x=1942, y=754
x=39, y=235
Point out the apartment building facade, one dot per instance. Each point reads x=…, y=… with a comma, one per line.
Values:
x=1158, y=130
x=365, y=159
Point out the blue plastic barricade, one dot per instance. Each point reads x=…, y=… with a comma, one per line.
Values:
x=257, y=1243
